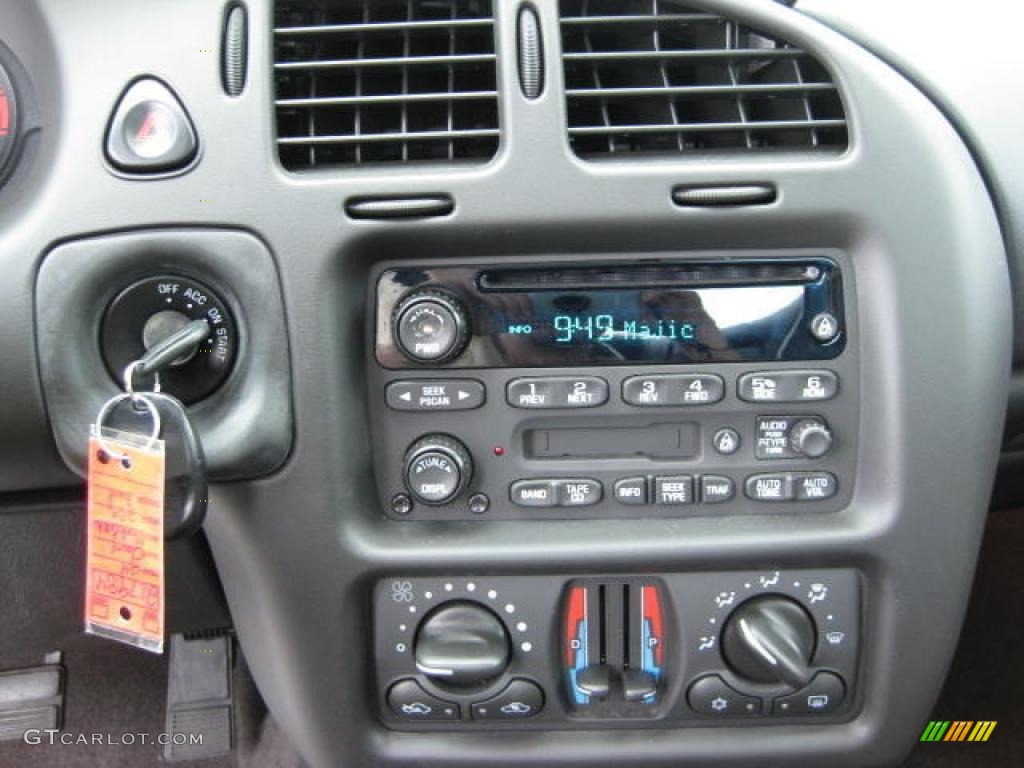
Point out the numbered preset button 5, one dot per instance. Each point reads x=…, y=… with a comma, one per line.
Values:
x=673, y=389
x=787, y=386
x=557, y=392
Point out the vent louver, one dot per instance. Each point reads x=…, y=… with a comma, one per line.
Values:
x=384, y=81
x=653, y=76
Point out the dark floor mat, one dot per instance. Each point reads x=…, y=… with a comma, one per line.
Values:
x=112, y=690
x=986, y=681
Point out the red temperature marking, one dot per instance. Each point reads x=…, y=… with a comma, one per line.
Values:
x=652, y=604
x=5, y=113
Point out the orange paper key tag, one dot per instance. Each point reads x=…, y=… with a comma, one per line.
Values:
x=124, y=586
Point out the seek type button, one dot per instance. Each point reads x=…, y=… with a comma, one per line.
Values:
x=435, y=395
x=673, y=491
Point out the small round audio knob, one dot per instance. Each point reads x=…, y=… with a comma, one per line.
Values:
x=437, y=469
x=811, y=438
x=770, y=639
x=431, y=326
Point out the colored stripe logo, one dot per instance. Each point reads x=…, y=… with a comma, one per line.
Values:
x=958, y=730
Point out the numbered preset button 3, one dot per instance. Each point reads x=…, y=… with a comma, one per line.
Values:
x=557, y=392
x=673, y=389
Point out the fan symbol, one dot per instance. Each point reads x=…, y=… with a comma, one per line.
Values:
x=401, y=591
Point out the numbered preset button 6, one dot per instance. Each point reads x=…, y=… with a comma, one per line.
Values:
x=557, y=392
x=673, y=389
x=787, y=386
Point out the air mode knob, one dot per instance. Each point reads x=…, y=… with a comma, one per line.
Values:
x=770, y=639
x=437, y=469
x=811, y=438
x=462, y=643
x=431, y=326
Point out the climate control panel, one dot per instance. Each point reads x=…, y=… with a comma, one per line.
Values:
x=658, y=650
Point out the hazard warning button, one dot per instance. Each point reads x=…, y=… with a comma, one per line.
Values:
x=150, y=131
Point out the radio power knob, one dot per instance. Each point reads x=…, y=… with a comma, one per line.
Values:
x=437, y=469
x=431, y=326
x=811, y=438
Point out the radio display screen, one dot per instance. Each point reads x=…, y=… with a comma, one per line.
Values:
x=651, y=326
x=671, y=314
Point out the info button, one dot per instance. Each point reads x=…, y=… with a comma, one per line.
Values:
x=435, y=395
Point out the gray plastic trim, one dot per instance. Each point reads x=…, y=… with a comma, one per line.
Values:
x=246, y=425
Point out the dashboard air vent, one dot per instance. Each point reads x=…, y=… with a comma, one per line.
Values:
x=384, y=81
x=655, y=77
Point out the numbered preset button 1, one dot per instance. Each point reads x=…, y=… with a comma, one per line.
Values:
x=557, y=392
x=673, y=389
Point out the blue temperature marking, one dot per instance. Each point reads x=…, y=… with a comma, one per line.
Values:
x=581, y=663
x=648, y=658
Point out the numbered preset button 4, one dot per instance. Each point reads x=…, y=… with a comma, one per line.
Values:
x=673, y=389
x=557, y=392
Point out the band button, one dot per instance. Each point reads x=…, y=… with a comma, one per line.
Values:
x=534, y=493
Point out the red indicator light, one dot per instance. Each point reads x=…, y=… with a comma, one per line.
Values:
x=499, y=450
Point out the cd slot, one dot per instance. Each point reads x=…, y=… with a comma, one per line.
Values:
x=647, y=276
x=658, y=441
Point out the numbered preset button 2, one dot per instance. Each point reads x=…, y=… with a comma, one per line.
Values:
x=673, y=389
x=557, y=392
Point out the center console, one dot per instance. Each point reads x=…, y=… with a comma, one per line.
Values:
x=617, y=386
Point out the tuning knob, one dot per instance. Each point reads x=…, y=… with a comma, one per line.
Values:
x=810, y=438
x=431, y=326
x=437, y=469
x=770, y=639
x=462, y=643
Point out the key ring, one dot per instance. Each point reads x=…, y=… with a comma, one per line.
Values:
x=129, y=374
x=136, y=399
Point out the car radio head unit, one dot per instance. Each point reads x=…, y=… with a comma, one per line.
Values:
x=647, y=314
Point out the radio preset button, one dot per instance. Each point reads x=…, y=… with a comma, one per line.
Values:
x=673, y=389
x=771, y=487
x=673, y=491
x=787, y=386
x=534, y=493
x=435, y=395
x=814, y=486
x=715, y=489
x=557, y=392
x=631, y=491
x=579, y=493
